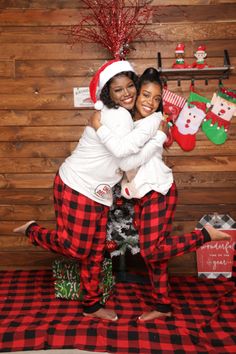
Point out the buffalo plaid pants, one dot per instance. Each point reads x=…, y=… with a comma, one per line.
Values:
x=154, y=215
x=80, y=233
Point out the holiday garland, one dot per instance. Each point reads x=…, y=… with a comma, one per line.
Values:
x=113, y=25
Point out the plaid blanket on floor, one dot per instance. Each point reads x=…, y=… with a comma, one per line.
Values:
x=31, y=318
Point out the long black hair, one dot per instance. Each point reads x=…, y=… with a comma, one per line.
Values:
x=105, y=93
x=151, y=75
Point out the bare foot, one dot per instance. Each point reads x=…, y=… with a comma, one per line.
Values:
x=216, y=234
x=104, y=314
x=152, y=315
x=21, y=229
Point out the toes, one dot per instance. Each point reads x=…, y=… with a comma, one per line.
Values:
x=149, y=316
x=103, y=314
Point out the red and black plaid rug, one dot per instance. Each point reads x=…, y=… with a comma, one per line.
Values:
x=204, y=318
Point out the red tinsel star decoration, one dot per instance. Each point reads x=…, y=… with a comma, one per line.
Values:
x=113, y=25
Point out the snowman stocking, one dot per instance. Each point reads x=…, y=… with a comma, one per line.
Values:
x=172, y=106
x=217, y=120
x=190, y=118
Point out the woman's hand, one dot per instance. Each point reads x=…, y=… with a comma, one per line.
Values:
x=94, y=120
x=164, y=127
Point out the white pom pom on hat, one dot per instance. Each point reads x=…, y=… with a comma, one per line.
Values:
x=98, y=105
x=103, y=75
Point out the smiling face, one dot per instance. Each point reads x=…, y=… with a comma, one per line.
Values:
x=148, y=100
x=223, y=108
x=200, y=55
x=123, y=91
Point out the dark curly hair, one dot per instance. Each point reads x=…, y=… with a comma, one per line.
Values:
x=105, y=93
x=151, y=75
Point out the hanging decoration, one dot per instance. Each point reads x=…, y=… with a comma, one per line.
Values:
x=113, y=24
x=172, y=106
x=190, y=118
x=218, y=119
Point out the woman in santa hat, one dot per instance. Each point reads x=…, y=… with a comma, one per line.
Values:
x=83, y=184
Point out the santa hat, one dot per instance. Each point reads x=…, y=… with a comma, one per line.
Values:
x=180, y=48
x=227, y=94
x=200, y=105
x=103, y=75
x=201, y=49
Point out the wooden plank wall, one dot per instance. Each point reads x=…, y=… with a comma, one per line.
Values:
x=39, y=125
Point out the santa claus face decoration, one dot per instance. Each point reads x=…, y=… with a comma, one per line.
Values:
x=189, y=119
x=222, y=108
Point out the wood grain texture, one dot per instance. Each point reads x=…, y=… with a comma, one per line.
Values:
x=197, y=196
x=55, y=4
x=39, y=125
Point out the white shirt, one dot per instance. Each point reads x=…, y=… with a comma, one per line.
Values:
x=93, y=167
x=153, y=174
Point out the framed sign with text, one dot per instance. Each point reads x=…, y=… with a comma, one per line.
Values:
x=215, y=258
x=82, y=97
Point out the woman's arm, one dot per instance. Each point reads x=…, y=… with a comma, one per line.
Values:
x=118, y=141
x=153, y=147
x=95, y=120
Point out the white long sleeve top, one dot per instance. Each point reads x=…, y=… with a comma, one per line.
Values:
x=93, y=167
x=153, y=173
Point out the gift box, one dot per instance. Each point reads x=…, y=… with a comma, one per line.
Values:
x=67, y=289
x=65, y=269
x=67, y=279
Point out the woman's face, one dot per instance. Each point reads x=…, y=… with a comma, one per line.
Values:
x=148, y=100
x=123, y=91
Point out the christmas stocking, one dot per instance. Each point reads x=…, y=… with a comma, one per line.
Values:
x=172, y=106
x=217, y=120
x=190, y=118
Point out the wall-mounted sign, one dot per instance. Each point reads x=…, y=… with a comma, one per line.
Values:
x=82, y=97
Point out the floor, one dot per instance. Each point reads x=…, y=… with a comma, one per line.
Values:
x=33, y=318
x=63, y=351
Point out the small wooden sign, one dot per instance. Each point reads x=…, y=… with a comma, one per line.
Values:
x=215, y=258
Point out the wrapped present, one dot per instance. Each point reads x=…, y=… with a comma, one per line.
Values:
x=67, y=279
x=65, y=269
x=67, y=289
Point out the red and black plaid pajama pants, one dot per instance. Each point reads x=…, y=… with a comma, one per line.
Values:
x=154, y=215
x=81, y=234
